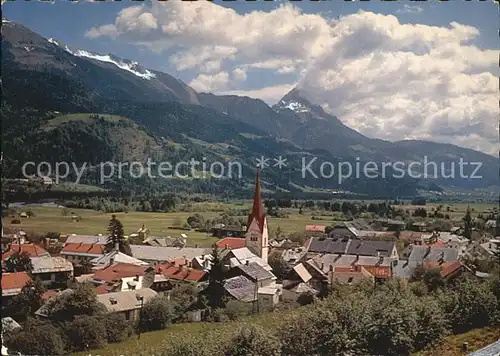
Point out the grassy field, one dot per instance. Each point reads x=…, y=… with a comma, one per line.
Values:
x=51, y=219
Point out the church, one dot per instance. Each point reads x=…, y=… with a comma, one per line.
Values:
x=257, y=235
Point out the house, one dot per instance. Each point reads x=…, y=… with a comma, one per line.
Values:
x=417, y=255
x=9, y=239
x=342, y=231
x=447, y=270
x=87, y=239
x=294, y=255
x=255, y=272
x=129, y=303
x=53, y=272
x=231, y=242
x=8, y=326
x=490, y=225
x=166, y=241
x=78, y=253
x=243, y=289
x=347, y=246
x=349, y=275
x=113, y=257
x=490, y=248
x=222, y=231
x=32, y=250
x=12, y=284
x=153, y=255
x=232, y=258
x=316, y=228
x=454, y=241
x=378, y=267
x=121, y=277
x=203, y=262
x=180, y=274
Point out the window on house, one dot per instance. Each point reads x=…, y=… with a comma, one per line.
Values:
x=350, y=280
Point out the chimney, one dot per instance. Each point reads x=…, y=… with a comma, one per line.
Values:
x=136, y=277
x=227, y=247
x=331, y=268
x=196, y=245
x=203, y=257
x=357, y=258
x=322, y=266
x=117, y=246
x=247, y=262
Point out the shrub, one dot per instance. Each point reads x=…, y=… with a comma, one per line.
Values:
x=156, y=314
x=117, y=328
x=254, y=341
x=236, y=309
x=86, y=332
x=15, y=221
x=40, y=339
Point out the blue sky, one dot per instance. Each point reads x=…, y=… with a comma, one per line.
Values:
x=428, y=71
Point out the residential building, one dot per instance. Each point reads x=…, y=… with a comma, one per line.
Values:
x=87, y=239
x=53, y=272
x=257, y=235
x=153, y=255
x=231, y=242
x=376, y=248
x=243, y=289
x=294, y=255
x=78, y=253
x=32, y=250
x=490, y=248
x=120, y=277
x=417, y=255
x=232, y=258
x=12, y=284
x=181, y=274
x=378, y=267
x=116, y=256
x=349, y=275
x=255, y=272
x=129, y=303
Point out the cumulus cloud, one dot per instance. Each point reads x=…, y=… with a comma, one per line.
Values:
x=384, y=78
x=206, y=83
x=270, y=94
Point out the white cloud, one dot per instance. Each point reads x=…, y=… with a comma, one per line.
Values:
x=409, y=9
x=384, y=78
x=206, y=83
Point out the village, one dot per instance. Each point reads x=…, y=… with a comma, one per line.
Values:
x=260, y=273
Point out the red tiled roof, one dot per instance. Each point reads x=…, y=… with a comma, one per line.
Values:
x=119, y=271
x=32, y=250
x=102, y=289
x=231, y=242
x=379, y=271
x=180, y=273
x=15, y=280
x=450, y=269
x=48, y=294
x=315, y=228
x=83, y=248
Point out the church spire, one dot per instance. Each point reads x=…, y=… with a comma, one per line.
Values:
x=257, y=210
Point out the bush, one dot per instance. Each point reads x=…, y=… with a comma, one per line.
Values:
x=117, y=328
x=254, y=341
x=15, y=221
x=86, y=332
x=306, y=298
x=156, y=314
x=39, y=339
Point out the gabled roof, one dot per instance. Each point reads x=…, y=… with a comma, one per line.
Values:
x=127, y=300
x=118, y=271
x=371, y=248
x=302, y=272
x=87, y=239
x=181, y=273
x=153, y=253
x=32, y=250
x=255, y=272
x=420, y=254
x=231, y=242
x=83, y=249
x=47, y=264
x=12, y=283
x=241, y=288
x=242, y=255
x=315, y=228
x=117, y=257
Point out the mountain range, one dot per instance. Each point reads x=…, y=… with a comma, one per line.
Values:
x=61, y=103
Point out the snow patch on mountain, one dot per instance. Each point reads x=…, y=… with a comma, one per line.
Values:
x=53, y=41
x=132, y=67
x=294, y=106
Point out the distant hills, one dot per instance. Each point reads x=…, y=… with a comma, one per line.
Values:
x=52, y=93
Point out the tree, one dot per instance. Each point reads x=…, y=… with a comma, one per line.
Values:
x=37, y=338
x=280, y=268
x=19, y=262
x=215, y=291
x=432, y=323
x=196, y=221
x=254, y=341
x=117, y=327
x=156, y=314
x=29, y=300
x=116, y=236
x=81, y=300
x=467, y=224
x=86, y=332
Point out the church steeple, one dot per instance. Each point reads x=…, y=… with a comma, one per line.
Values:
x=257, y=210
x=256, y=237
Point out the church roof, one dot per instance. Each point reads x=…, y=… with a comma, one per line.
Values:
x=257, y=208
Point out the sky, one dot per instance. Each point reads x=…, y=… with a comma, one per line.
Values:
x=391, y=70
